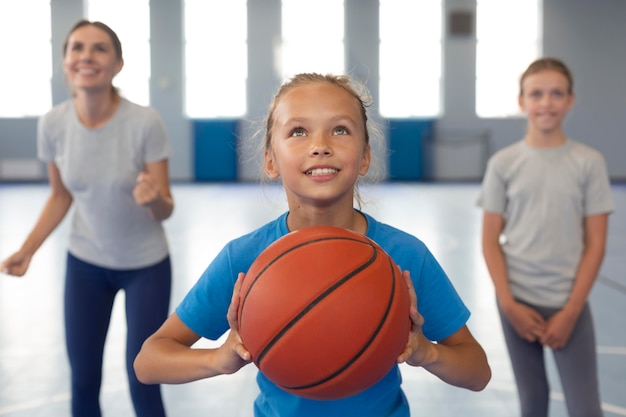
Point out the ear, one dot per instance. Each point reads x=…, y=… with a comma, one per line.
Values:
x=269, y=165
x=366, y=160
x=119, y=66
x=572, y=100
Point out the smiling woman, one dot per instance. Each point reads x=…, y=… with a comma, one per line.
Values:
x=107, y=157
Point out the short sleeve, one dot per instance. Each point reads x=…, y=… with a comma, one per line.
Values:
x=598, y=197
x=45, y=147
x=492, y=196
x=157, y=146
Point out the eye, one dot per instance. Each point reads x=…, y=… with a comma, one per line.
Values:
x=558, y=94
x=76, y=47
x=535, y=94
x=298, y=131
x=340, y=130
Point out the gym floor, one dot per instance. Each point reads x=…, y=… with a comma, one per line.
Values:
x=34, y=374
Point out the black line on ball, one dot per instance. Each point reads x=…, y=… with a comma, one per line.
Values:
x=365, y=345
x=320, y=297
x=316, y=301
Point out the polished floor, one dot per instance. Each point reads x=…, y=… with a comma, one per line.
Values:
x=33, y=365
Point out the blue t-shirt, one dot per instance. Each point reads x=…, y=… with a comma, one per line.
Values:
x=204, y=309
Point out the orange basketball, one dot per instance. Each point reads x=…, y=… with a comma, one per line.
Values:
x=324, y=312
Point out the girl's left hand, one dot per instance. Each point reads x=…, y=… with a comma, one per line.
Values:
x=236, y=354
x=146, y=190
x=559, y=328
x=419, y=350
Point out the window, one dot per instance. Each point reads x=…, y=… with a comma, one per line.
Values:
x=508, y=39
x=410, y=58
x=26, y=71
x=216, y=61
x=312, y=37
x=130, y=20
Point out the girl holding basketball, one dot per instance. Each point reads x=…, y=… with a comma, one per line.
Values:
x=546, y=201
x=108, y=158
x=317, y=141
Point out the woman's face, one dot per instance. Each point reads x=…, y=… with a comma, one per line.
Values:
x=90, y=62
x=318, y=144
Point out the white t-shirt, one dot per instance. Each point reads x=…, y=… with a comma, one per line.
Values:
x=544, y=196
x=99, y=167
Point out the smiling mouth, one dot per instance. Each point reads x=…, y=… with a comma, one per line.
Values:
x=86, y=71
x=321, y=171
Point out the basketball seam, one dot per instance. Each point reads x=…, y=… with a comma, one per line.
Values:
x=269, y=264
x=366, y=345
x=317, y=299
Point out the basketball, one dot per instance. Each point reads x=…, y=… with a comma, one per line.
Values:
x=324, y=312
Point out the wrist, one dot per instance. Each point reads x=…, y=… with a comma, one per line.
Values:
x=506, y=302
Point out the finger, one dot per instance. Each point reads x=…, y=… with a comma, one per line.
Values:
x=409, y=283
x=238, y=284
x=531, y=338
x=417, y=319
x=233, y=309
x=406, y=354
x=142, y=177
x=243, y=352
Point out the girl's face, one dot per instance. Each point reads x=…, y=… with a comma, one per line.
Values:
x=318, y=145
x=90, y=61
x=546, y=100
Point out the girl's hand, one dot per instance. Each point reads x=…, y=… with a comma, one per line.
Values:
x=16, y=264
x=527, y=322
x=419, y=350
x=558, y=330
x=146, y=190
x=235, y=354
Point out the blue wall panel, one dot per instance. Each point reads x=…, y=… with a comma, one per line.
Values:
x=406, y=139
x=215, y=150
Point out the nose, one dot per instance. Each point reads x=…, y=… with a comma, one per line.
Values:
x=85, y=54
x=546, y=100
x=320, y=145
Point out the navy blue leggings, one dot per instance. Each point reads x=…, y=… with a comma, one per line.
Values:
x=89, y=295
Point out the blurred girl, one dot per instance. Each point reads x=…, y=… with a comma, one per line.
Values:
x=546, y=201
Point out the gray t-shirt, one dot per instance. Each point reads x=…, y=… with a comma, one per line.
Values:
x=544, y=194
x=99, y=167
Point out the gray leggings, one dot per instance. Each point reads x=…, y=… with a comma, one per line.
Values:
x=576, y=363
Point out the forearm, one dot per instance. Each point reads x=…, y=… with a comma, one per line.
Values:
x=493, y=224
x=52, y=214
x=590, y=262
x=169, y=362
x=586, y=276
x=161, y=208
x=463, y=365
x=496, y=265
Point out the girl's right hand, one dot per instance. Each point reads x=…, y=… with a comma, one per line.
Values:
x=526, y=321
x=16, y=264
x=235, y=353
